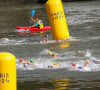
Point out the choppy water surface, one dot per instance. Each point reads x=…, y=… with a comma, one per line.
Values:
x=83, y=19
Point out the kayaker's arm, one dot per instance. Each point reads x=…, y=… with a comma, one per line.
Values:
x=33, y=20
x=35, y=25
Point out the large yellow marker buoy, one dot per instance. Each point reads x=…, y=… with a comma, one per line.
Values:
x=7, y=71
x=57, y=19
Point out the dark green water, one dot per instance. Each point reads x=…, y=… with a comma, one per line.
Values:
x=83, y=19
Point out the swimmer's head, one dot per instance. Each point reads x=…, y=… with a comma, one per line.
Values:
x=20, y=59
x=54, y=54
x=80, y=67
x=87, y=60
x=49, y=53
x=79, y=51
x=24, y=65
x=93, y=59
x=31, y=61
x=73, y=64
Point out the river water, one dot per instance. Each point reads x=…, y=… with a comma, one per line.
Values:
x=83, y=19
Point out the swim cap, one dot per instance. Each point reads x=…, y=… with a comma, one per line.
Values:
x=93, y=59
x=79, y=51
x=87, y=60
x=20, y=59
x=31, y=60
x=49, y=52
x=54, y=54
x=73, y=64
x=24, y=65
x=80, y=67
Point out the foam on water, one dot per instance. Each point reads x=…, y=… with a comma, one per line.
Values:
x=67, y=57
x=87, y=54
x=65, y=62
x=7, y=41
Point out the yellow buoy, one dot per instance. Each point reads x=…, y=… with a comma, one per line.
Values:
x=7, y=71
x=57, y=19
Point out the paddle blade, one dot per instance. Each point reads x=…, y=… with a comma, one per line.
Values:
x=33, y=12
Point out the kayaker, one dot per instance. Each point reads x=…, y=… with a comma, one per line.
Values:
x=38, y=23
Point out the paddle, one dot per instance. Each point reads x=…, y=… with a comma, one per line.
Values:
x=33, y=12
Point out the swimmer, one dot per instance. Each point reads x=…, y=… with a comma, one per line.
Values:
x=95, y=60
x=56, y=64
x=53, y=55
x=42, y=42
x=26, y=61
x=87, y=62
x=27, y=67
x=23, y=61
x=80, y=67
x=49, y=53
x=50, y=66
x=76, y=53
x=46, y=37
x=31, y=61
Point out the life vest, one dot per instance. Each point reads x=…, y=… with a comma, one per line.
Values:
x=40, y=24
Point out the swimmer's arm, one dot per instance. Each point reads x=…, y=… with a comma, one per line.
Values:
x=51, y=57
x=86, y=64
x=26, y=62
